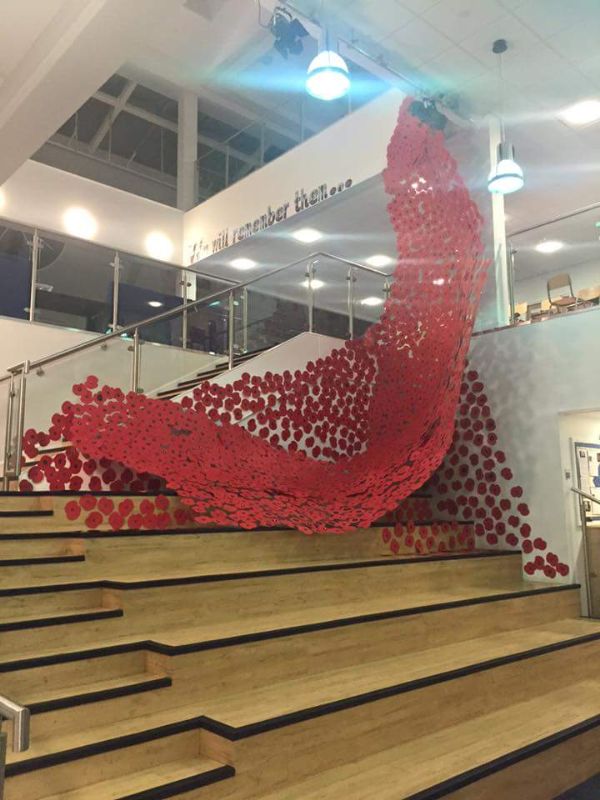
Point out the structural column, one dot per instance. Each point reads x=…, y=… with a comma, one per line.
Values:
x=501, y=255
x=187, y=150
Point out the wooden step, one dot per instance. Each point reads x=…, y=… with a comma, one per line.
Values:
x=211, y=609
x=294, y=682
x=437, y=733
x=274, y=747
x=163, y=765
x=476, y=758
x=171, y=555
x=76, y=678
x=268, y=706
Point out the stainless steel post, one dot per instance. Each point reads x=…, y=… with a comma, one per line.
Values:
x=184, y=314
x=8, y=433
x=21, y=419
x=511, y=281
x=245, y=319
x=586, y=559
x=116, y=265
x=310, y=288
x=351, y=280
x=20, y=719
x=231, y=328
x=35, y=260
x=135, y=363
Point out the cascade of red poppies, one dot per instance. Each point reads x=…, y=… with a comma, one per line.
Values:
x=332, y=447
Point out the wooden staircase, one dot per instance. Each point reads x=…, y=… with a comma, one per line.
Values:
x=229, y=665
x=207, y=375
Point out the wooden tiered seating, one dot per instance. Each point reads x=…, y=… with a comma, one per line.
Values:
x=228, y=665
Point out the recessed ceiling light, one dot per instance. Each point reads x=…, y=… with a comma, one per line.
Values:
x=79, y=222
x=371, y=301
x=307, y=235
x=439, y=281
x=549, y=246
x=243, y=263
x=314, y=284
x=159, y=246
x=155, y=303
x=379, y=260
x=583, y=113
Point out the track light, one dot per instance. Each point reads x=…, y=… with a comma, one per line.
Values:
x=288, y=32
x=328, y=76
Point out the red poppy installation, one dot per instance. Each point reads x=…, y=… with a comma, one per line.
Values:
x=332, y=447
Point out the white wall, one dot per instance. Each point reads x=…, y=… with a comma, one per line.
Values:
x=353, y=148
x=38, y=195
x=532, y=375
x=533, y=290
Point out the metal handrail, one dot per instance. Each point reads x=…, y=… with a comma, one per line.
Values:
x=157, y=263
x=20, y=717
x=586, y=495
x=184, y=307
x=584, y=535
x=18, y=374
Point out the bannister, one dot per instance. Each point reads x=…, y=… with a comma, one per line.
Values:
x=18, y=374
x=20, y=717
x=581, y=496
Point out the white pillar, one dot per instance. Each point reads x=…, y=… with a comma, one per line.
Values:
x=501, y=255
x=187, y=150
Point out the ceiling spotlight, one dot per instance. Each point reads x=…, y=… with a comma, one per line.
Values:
x=243, y=263
x=372, y=301
x=328, y=77
x=549, y=246
x=583, y=113
x=314, y=284
x=79, y=222
x=307, y=235
x=507, y=176
x=379, y=260
x=288, y=32
x=155, y=303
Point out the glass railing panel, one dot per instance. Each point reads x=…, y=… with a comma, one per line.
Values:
x=148, y=287
x=277, y=309
x=556, y=267
x=49, y=387
x=369, y=293
x=15, y=270
x=74, y=284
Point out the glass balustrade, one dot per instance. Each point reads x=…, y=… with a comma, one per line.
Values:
x=555, y=267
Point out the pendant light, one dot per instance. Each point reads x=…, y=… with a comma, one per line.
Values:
x=328, y=76
x=507, y=176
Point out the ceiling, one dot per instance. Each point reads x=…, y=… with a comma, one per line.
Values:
x=22, y=23
x=222, y=50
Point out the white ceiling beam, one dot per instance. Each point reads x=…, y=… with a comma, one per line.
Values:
x=110, y=118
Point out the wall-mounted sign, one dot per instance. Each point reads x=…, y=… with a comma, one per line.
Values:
x=271, y=215
x=309, y=174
